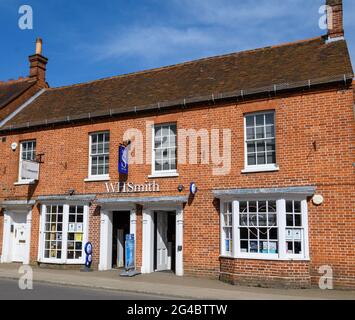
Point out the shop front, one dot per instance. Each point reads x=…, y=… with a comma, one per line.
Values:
x=161, y=243
x=16, y=231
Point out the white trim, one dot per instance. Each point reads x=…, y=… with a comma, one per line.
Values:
x=7, y=250
x=23, y=106
x=64, y=259
x=103, y=177
x=266, y=168
x=147, y=242
x=21, y=181
x=98, y=178
x=258, y=168
x=166, y=173
x=106, y=232
x=105, y=245
x=179, y=256
x=148, y=237
x=24, y=183
x=282, y=254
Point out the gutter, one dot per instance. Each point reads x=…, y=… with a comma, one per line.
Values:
x=183, y=103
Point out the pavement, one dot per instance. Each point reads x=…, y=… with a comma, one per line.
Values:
x=167, y=284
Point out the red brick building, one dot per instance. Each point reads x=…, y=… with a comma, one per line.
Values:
x=271, y=135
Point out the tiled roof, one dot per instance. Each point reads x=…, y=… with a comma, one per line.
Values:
x=12, y=89
x=293, y=65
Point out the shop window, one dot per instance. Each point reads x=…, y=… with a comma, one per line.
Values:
x=227, y=229
x=294, y=228
x=265, y=229
x=65, y=233
x=53, y=232
x=164, y=149
x=258, y=227
x=27, y=153
x=99, y=158
x=260, y=141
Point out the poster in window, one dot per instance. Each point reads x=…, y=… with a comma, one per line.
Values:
x=273, y=247
x=79, y=227
x=254, y=246
x=297, y=235
x=71, y=227
x=78, y=237
x=227, y=246
x=289, y=234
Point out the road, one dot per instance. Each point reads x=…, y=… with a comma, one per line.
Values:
x=9, y=290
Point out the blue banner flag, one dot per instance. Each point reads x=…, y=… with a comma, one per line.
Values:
x=123, y=160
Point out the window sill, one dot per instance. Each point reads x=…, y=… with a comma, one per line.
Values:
x=25, y=183
x=290, y=259
x=164, y=175
x=257, y=169
x=97, y=179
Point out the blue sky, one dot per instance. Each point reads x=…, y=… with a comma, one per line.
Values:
x=90, y=39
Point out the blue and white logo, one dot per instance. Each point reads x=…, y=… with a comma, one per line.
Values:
x=193, y=188
x=123, y=160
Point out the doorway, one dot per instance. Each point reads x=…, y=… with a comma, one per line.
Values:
x=120, y=228
x=164, y=241
x=18, y=232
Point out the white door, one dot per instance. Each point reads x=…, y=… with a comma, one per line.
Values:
x=18, y=237
x=162, y=241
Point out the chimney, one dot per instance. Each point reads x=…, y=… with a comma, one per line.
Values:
x=335, y=20
x=38, y=64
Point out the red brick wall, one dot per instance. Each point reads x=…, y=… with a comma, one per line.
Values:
x=266, y=274
x=325, y=117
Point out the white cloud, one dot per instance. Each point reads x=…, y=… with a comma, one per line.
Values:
x=152, y=41
x=197, y=28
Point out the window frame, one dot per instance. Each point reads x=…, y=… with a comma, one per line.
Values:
x=20, y=179
x=100, y=177
x=65, y=224
x=281, y=219
x=265, y=167
x=163, y=173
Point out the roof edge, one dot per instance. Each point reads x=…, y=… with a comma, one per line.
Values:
x=184, y=102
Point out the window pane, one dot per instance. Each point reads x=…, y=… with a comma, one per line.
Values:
x=269, y=117
x=250, y=121
x=252, y=159
x=289, y=220
x=250, y=134
x=260, y=120
x=289, y=206
x=251, y=147
x=258, y=228
x=261, y=158
x=270, y=132
x=260, y=133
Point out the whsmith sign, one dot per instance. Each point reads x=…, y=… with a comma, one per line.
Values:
x=129, y=187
